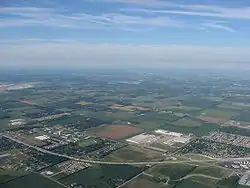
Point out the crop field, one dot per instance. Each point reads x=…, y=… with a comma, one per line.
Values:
x=214, y=171
x=204, y=129
x=102, y=176
x=115, y=131
x=188, y=122
x=9, y=175
x=133, y=153
x=121, y=107
x=122, y=115
x=83, y=103
x=182, y=108
x=144, y=181
x=234, y=105
x=218, y=99
x=87, y=142
x=31, y=181
x=196, y=183
x=173, y=171
x=244, y=116
x=217, y=113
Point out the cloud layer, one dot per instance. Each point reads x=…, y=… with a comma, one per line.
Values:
x=35, y=53
x=128, y=18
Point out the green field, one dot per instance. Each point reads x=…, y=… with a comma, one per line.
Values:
x=197, y=182
x=188, y=122
x=173, y=171
x=244, y=116
x=102, y=176
x=87, y=142
x=217, y=113
x=9, y=175
x=204, y=129
x=31, y=181
x=133, y=153
x=218, y=99
x=214, y=171
x=144, y=181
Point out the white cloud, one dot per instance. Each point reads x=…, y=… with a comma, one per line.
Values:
x=199, y=10
x=75, y=54
x=217, y=25
x=48, y=17
x=55, y=18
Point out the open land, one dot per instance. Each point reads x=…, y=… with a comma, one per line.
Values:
x=123, y=116
x=115, y=131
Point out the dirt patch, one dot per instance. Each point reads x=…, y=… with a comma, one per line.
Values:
x=129, y=108
x=212, y=119
x=115, y=131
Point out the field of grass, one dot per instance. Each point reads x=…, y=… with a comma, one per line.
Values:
x=188, y=122
x=173, y=171
x=191, y=184
x=196, y=156
x=144, y=181
x=83, y=103
x=31, y=181
x=234, y=105
x=133, y=153
x=204, y=129
x=244, y=116
x=182, y=108
x=9, y=175
x=218, y=113
x=214, y=171
x=114, y=131
x=87, y=142
x=218, y=99
x=102, y=176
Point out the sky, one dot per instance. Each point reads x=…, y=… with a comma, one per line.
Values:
x=125, y=33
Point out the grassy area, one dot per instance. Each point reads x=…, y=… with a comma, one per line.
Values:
x=197, y=182
x=173, y=171
x=196, y=156
x=102, y=176
x=217, y=113
x=188, y=122
x=144, y=181
x=133, y=153
x=83, y=103
x=218, y=99
x=214, y=171
x=204, y=129
x=244, y=116
x=182, y=108
x=87, y=142
x=9, y=175
x=31, y=181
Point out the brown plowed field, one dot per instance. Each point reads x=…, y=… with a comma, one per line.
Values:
x=115, y=131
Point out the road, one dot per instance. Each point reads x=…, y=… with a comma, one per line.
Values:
x=117, y=163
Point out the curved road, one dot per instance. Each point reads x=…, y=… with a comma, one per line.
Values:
x=116, y=163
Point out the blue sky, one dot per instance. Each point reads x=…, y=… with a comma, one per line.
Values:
x=125, y=33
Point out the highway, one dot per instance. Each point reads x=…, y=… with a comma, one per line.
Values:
x=117, y=163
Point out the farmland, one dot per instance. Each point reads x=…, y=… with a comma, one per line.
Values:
x=102, y=176
x=220, y=114
x=30, y=181
x=188, y=122
x=133, y=153
x=115, y=131
x=172, y=171
x=144, y=182
x=124, y=116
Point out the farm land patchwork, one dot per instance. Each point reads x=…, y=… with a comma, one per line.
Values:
x=171, y=129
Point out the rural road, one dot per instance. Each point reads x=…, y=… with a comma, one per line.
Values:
x=117, y=163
